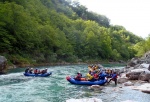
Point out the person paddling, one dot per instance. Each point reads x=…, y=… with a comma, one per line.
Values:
x=27, y=70
x=30, y=70
x=78, y=77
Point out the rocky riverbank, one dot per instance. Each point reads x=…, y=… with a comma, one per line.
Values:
x=137, y=74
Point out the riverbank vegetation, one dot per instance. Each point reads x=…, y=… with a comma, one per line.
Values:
x=52, y=31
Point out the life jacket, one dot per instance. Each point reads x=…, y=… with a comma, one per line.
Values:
x=78, y=77
x=114, y=76
x=35, y=71
x=96, y=76
x=90, y=77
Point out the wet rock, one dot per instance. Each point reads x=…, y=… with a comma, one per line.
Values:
x=144, y=88
x=135, y=73
x=129, y=83
x=129, y=69
x=141, y=82
x=149, y=68
x=122, y=80
x=144, y=76
x=133, y=77
x=146, y=91
x=123, y=70
x=146, y=57
x=133, y=62
x=96, y=87
x=139, y=69
x=123, y=75
x=3, y=64
x=144, y=65
x=137, y=66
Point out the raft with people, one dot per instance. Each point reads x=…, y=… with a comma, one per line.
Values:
x=38, y=75
x=36, y=72
x=95, y=76
x=85, y=82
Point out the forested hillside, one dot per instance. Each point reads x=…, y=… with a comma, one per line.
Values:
x=49, y=31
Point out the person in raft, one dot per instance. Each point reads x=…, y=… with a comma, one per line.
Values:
x=36, y=71
x=27, y=70
x=113, y=78
x=44, y=71
x=31, y=70
x=78, y=77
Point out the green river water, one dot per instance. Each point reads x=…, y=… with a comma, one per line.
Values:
x=15, y=87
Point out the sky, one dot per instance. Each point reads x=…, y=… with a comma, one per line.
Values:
x=134, y=15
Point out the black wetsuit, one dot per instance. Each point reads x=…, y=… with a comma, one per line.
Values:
x=27, y=70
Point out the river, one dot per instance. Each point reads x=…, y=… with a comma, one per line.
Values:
x=15, y=87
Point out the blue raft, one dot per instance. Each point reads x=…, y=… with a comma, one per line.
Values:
x=73, y=81
x=38, y=75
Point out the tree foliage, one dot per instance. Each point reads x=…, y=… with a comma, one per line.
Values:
x=59, y=30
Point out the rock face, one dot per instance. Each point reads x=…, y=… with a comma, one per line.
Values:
x=138, y=61
x=144, y=77
x=139, y=68
x=3, y=64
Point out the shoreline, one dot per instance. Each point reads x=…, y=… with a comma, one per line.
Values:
x=60, y=64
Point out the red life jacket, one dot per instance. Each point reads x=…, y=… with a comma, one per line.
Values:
x=35, y=71
x=96, y=76
x=78, y=77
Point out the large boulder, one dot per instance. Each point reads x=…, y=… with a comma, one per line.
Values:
x=134, y=77
x=142, y=73
x=140, y=70
x=144, y=65
x=132, y=73
x=136, y=61
x=146, y=57
x=133, y=62
x=3, y=64
x=144, y=76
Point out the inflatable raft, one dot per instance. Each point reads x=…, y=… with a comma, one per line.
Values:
x=73, y=81
x=38, y=75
